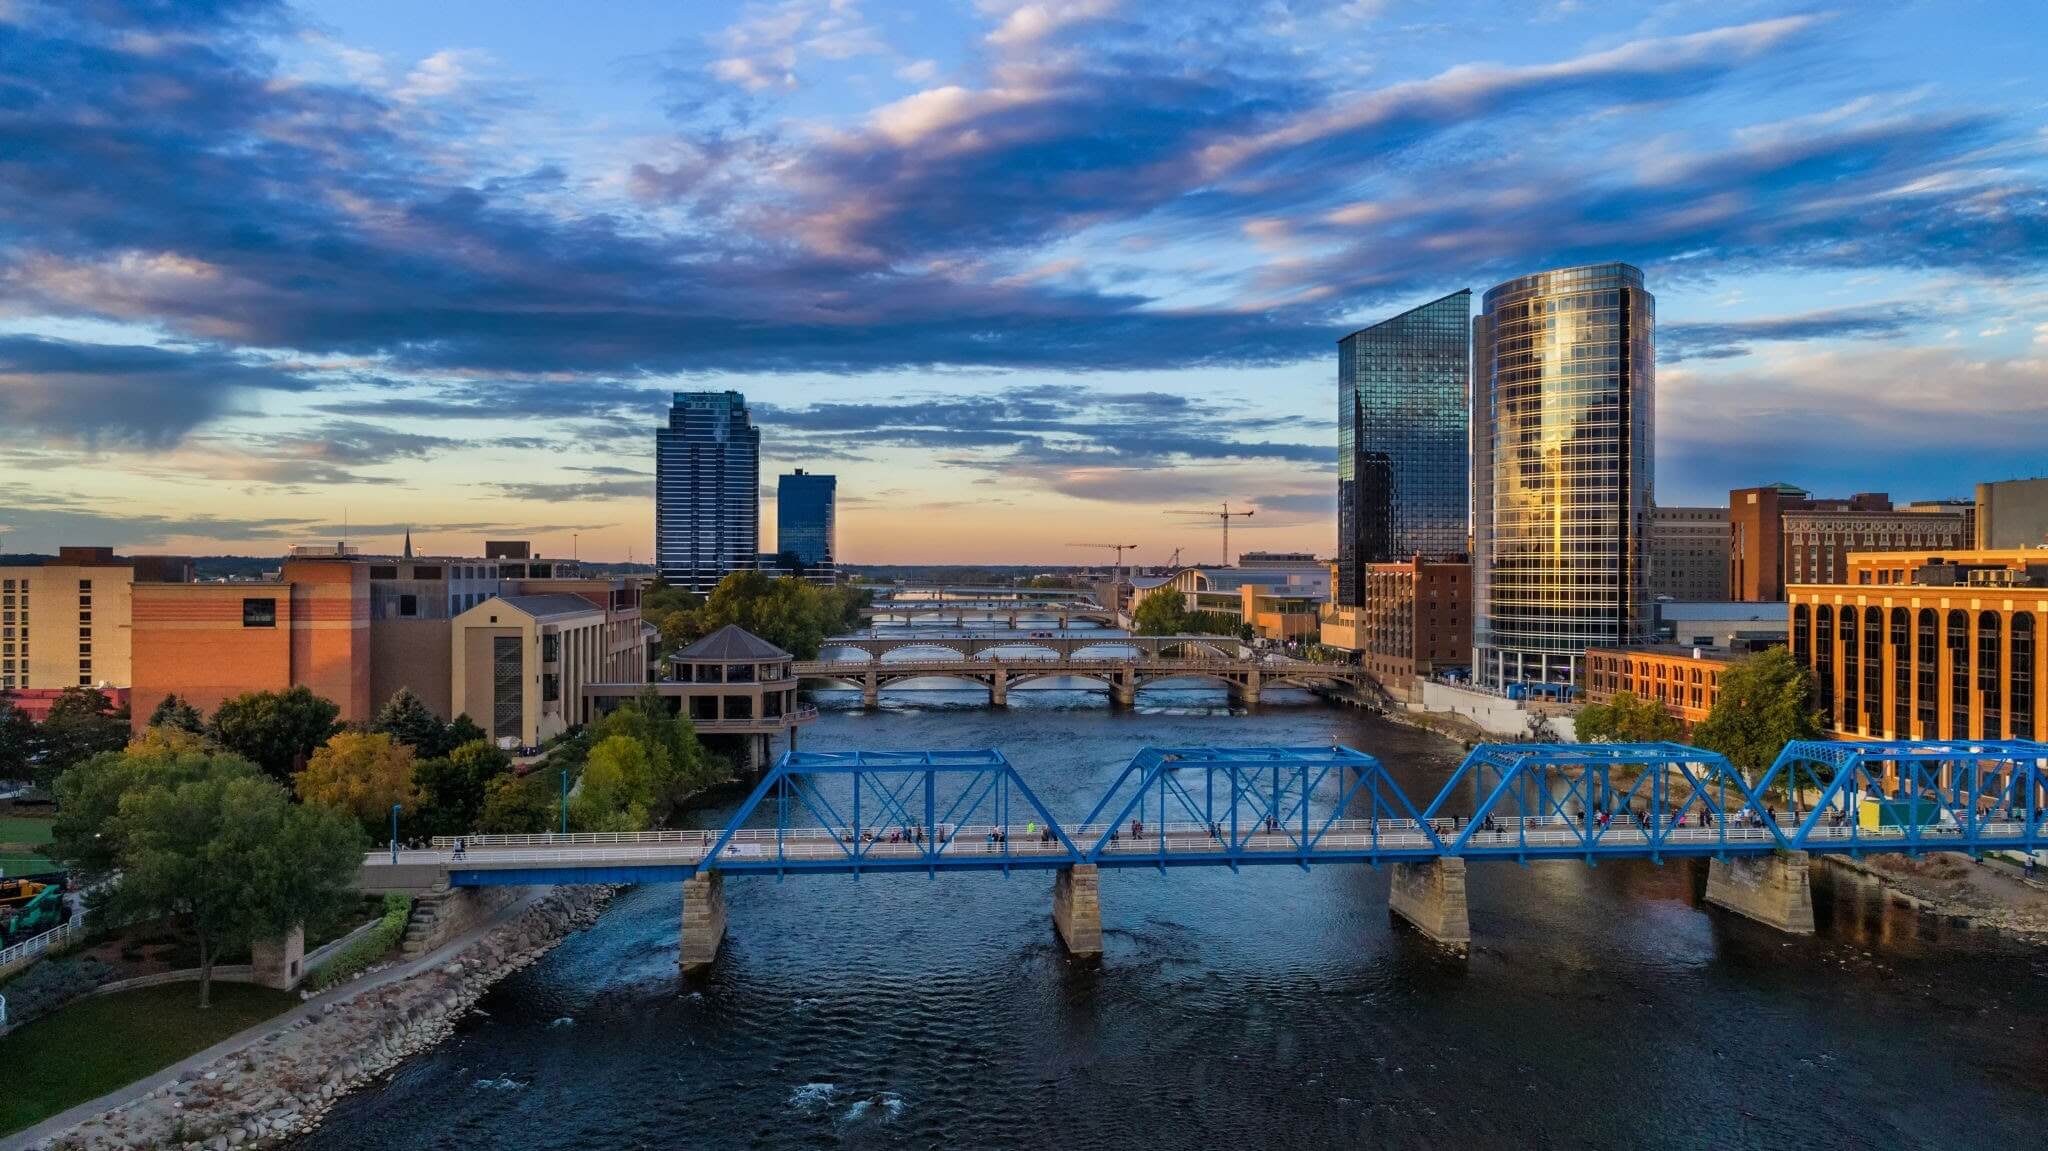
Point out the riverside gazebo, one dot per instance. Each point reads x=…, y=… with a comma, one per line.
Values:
x=733, y=682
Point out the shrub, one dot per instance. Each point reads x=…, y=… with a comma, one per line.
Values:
x=370, y=948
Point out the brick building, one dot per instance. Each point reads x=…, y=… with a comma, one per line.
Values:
x=1416, y=619
x=1686, y=680
x=1780, y=535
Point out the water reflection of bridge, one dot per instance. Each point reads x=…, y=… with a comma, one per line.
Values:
x=934, y=812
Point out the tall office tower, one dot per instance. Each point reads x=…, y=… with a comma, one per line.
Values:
x=1402, y=457
x=1563, y=435
x=707, y=490
x=806, y=524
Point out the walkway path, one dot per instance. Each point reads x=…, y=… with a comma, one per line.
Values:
x=64, y=1121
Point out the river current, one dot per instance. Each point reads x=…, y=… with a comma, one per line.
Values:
x=1599, y=1007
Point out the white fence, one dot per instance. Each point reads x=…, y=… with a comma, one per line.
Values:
x=23, y=953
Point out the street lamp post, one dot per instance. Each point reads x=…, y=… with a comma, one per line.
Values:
x=394, y=832
x=565, y=801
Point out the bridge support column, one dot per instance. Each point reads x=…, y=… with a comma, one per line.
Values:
x=870, y=692
x=1247, y=693
x=999, y=688
x=703, y=921
x=1772, y=889
x=279, y=962
x=1077, y=910
x=1123, y=689
x=1432, y=897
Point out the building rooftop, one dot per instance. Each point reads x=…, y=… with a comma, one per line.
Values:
x=545, y=606
x=732, y=644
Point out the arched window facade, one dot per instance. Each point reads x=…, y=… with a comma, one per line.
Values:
x=1927, y=671
x=1824, y=662
x=1873, y=670
x=2022, y=659
x=1958, y=675
x=1990, y=672
x=1852, y=670
x=1902, y=673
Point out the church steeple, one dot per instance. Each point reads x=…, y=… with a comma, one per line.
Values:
x=408, y=543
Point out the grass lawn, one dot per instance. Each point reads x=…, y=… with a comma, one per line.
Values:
x=105, y=1042
x=27, y=865
x=20, y=829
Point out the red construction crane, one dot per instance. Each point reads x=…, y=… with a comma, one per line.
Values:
x=1226, y=515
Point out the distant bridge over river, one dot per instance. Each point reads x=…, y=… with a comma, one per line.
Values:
x=941, y=812
x=1118, y=665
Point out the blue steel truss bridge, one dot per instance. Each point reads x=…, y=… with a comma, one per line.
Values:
x=939, y=812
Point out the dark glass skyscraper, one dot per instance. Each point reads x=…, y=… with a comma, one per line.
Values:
x=1563, y=431
x=1402, y=463
x=806, y=522
x=707, y=490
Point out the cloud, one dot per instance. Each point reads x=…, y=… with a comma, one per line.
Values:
x=131, y=395
x=1677, y=342
x=545, y=492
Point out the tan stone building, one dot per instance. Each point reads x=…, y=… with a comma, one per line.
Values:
x=64, y=622
x=518, y=664
x=1928, y=645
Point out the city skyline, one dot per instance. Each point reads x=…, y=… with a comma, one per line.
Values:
x=1018, y=274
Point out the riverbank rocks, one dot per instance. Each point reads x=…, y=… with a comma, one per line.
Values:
x=282, y=1084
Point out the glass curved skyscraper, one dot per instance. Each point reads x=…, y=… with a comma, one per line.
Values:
x=1563, y=435
x=1402, y=470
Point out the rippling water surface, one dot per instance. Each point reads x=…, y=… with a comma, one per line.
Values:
x=1602, y=1007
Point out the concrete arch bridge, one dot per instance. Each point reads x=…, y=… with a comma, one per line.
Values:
x=1011, y=611
x=1016, y=646
x=1243, y=679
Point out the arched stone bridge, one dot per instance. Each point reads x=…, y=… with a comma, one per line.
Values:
x=1244, y=679
x=975, y=645
x=1008, y=610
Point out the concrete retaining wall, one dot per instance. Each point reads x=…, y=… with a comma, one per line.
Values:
x=1496, y=715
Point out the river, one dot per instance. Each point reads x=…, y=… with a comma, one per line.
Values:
x=1599, y=1007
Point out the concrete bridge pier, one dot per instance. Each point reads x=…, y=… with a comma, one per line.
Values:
x=999, y=688
x=1246, y=693
x=1432, y=897
x=1123, y=687
x=1077, y=910
x=870, y=692
x=279, y=962
x=703, y=921
x=1772, y=889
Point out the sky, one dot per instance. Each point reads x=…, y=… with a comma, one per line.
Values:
x=1024, y=274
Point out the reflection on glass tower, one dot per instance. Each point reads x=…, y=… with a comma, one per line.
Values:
x=1402, y=466
x=707, y=490
x=1563, y=427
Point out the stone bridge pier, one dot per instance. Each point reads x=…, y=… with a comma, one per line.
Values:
x=1123, y=686
x=1077, y=909
x=1432, y=897
x=870, y=691
x=999, y=688
x=703, y=921
x=1773, y=889
x=1247, y=692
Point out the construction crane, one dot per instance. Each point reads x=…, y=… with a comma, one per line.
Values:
x=1119, y=549
x=1226, y=515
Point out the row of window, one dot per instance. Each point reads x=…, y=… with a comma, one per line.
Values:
x=1918, y=643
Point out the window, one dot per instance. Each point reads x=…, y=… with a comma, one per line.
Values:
x=2023, y=675
x=550, y=648
x=383, y=571
x=429, y=571
x=408, y=605
x=507, y=708
x=259, y=613
x=1851, y=680
x=739, y=707
x=1927, y=673
x=1902, y=674
x=1990, y=672
x=1959, y=675
x=550, y=687
x=1824, y=660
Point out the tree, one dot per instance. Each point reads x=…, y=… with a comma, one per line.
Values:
x=89, y=794
x=1765, y=701
x=177, y=713
x=520, y=804
x=617, y=790
x=677, y=763
x=1161, y=613
x=81, y=724
x=405, y=718
x=1626, y=719
x=275, y=730
x=361, y=774
x=463, y=729
x=17, y=740
x=452, y=788
x=790, y=613
x=231, y=853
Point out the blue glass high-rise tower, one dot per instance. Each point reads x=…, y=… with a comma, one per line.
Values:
x=806, y=528
x=1403, y=467
x=707, y=490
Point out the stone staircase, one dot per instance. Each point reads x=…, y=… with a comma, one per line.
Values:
x=420, y=927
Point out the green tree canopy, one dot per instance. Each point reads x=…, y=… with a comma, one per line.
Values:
x=406, y=718
x=177, y=713
x=17, y=740
x=89, y=794
x=617, y=790
x=1626, y=719
x=452, y=788
x=463, y=729
x=790, y=613
x=81, y=724
x=275, y=730
x=1163, y=612
x=229, y=852
x=1765, y=701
